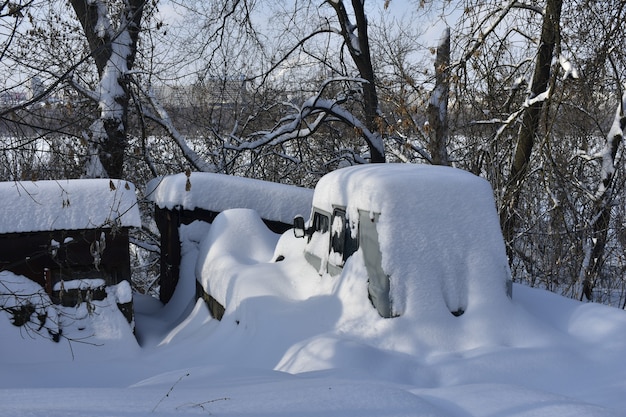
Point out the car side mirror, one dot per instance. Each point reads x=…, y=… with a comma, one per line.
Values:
x=298, y=227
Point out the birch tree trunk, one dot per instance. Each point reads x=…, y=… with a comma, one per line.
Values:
x=113, y=50
x=603, y=204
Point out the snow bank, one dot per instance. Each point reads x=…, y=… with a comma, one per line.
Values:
x=237, y=238
x=92, y=329
x=219, y=192
x=29, y=305
x=283, y=316
x=296, y=343
x=67, y=205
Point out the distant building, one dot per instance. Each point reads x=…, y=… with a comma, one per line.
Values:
x=37, y=88
x=12, y=98
x=207, y=93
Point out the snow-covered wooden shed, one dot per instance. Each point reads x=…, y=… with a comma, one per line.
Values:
x=182, y=199
x=62, y=231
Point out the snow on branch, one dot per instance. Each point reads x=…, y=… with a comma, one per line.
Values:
x=569, y=70
x=613, y=140
x=504, y=124
x=348, y=29
x=300, y=125
x=165, y=121
x=538, y=98
x=283, y=133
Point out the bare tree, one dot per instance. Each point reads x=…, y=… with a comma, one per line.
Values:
x=603, y=202
x=356, y=40
x=56, y=62
x=438, y=104
x=542, y=151
x=345, y=93
x=528, y=131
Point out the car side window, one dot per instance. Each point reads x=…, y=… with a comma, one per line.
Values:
x=342, y=241
x=337, y=236
x=320, y=222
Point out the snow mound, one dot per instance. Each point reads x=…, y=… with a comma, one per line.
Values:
x=237, y=238
x=27, y=305
x=32, y=323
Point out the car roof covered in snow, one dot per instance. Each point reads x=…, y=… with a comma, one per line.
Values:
x=219, y=192
x=373, y=187
x=32, y=206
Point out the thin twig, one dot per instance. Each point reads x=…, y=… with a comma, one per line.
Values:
x=169, y=392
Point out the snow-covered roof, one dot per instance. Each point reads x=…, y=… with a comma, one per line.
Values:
x=437, y=224
x=219, y=192
x=28, y=206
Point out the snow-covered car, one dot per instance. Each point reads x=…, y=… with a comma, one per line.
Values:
x=422, y=230
x=421, y=237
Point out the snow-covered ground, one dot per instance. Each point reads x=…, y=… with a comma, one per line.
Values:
x=316, y=351
x=294, y=343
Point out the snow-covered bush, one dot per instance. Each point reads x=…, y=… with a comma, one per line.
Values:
x=28, y=306
x=94, y=309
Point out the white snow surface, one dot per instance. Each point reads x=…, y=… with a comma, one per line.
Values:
x=80, y=284
x=294, y=343
x=236, y=237
x=219, y=192
x=28, y=206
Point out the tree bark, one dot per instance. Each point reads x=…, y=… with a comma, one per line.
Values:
x=530, y=121
x=114, y=54
x=358, y=46
x=438, y=104
x=603, y=204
